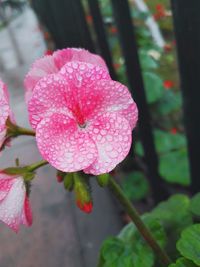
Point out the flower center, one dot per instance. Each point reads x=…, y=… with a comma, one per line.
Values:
x=79, y=116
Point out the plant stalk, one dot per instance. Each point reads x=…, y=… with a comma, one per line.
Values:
x=134, y=215
x=37, y=165
x=24, y=131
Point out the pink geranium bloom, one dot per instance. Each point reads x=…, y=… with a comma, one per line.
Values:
x=50, y=64
x=14, y=203
x=83, y=119
x=4, y=111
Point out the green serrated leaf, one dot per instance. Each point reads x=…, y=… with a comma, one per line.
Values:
x=135, y=186
x=153, y=87
x=174, y=167
x=195, y=205
x=165, y=212
x=112, y=248
x=175, y=216
x=189, y=243
x=130, y=235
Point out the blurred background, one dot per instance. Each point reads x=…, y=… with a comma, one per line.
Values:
x=137, y=40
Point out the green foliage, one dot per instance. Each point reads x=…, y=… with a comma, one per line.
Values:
x=182, y=263
x=195, y=205
x=135, y=186
x=153, y=86
x=189, y=244
x=166, y=142
x=147, y=62
x=166, y=222
x=129, y=249
x=170, y=102
x=174, y=167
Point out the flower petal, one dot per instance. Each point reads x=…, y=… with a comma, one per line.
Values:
x=112, y=136
x=27, y=218
x=12, y=206
x=5, y=185
x=61, y=57
x=81, y=74
x=4, y=105
x=66, y=93
x=39, y=69
x=63, y=144
x=116, y=99
x=53, y=63
x=2, y=137
x=49, y=96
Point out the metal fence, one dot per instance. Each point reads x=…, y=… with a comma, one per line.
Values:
x=67, y=23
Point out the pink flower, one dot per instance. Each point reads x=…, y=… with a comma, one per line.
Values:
x=4, y=111
x=83, y=119
x=14, y=203
x=50, y=64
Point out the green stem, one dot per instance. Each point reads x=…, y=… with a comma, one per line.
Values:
x=144, y=231
x=37, y=165
x=15, y=130
x=24, y=131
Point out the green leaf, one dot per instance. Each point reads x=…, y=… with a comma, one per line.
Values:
x=175, y=216
x=189, y=243
x=147, y=62
x=112, y=249
x=195, y=205
x=177, y=204
x=115, y=253
x=139, y=149
x=169, y=102
x=130, y=235
x=165, y=141
x=135, y=186
x=183, y=263
x=153, y=87
x=129, y=249
x=174, y=167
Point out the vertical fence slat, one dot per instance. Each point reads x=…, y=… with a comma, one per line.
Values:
x=66, y=22
x=187, y=30
x=101, y=35
x=129, y=47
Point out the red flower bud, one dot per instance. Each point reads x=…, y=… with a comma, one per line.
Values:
x=168, y=84
x=86, y=207
x=59, y=178
x=173, y=131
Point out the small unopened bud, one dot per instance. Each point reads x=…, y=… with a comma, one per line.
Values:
x=103, y=179
x=86, y=207
x=82, y=193
x=60, y=176
x=69, y=181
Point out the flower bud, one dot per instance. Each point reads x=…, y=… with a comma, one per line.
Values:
x=69, y=181
x=103, y=179
x=86, y=207
x=60, y=176
x=82, y=193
